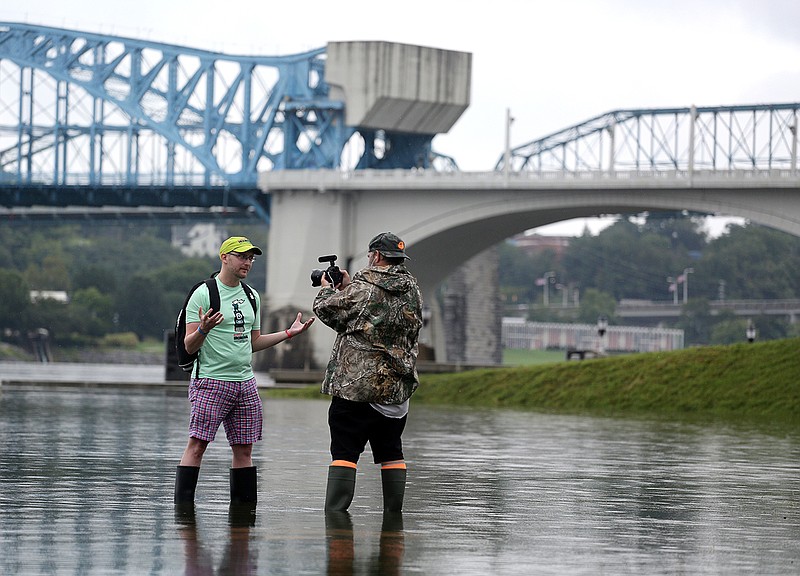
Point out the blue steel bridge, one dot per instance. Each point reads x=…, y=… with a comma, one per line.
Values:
x=92, y=124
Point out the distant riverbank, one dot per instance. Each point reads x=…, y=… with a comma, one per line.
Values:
x=759, y=381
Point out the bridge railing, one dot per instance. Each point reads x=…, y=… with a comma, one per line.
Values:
x=410, y=179
x=322, y=178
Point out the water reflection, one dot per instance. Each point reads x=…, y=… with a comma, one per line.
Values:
x=86, y=481
x=340, y=543
x=239, y=556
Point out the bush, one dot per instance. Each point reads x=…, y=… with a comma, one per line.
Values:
x=119, y=340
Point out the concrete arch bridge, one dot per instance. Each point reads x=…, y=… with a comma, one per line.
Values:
x=447, y=218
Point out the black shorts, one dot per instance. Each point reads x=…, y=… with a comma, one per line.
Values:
x=353, y=424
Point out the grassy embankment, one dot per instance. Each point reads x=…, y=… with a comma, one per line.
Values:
x=759, y=381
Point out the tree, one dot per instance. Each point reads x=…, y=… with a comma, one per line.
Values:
x=594, y=304
x=728, y=329
x=518, y=271
x=624, y=261
x=92, y=312
x=696, y=321
x=93, y=275
x=15, y=300
x=51, y=274
x=754, y=262
x=142, y=308
x=682, y=229
x=54, y=316
x=729, y=332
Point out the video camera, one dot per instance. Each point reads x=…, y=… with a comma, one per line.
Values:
x=332, y=272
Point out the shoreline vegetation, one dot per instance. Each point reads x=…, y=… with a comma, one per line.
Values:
x=758, y=382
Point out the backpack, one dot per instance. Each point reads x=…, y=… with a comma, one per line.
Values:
x=185, y=360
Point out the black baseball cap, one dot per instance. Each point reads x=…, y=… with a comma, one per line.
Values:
x=389, y=245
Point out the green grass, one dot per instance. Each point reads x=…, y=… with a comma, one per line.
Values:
x=742, y=382
x=532, y=357
x=150, y=345
x=750, y=381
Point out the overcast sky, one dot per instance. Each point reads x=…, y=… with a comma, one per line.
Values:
x=552, y=63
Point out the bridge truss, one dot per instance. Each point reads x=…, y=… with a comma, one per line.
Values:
x=111, y=114
x=758, y=137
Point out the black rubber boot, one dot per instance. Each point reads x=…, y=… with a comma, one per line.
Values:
x=242, y=514
x=392, y=521
x=185, y=514
x=338, y=521
x=341, y=488
x=244, y=485
x=394, y=488
x=185, y=484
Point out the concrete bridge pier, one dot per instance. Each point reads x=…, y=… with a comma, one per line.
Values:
x=462, y=324
x=304, y=226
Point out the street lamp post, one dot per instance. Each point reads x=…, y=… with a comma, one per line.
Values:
x=564, y=294
x=686, y=272
x=548, y=278
x=602, y=326
x=751, y=332
x=673, y=287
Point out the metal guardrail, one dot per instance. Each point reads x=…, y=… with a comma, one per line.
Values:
x=661, y=308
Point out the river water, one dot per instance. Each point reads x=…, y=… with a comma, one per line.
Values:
x=86, y=482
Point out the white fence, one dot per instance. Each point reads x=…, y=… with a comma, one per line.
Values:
x=519, y=334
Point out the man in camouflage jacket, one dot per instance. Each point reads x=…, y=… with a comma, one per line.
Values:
x=372, y=370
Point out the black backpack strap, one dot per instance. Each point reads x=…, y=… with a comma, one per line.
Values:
x=215, y=305
x=213, y=294
x=251, y=297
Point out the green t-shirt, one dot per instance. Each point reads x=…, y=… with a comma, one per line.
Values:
x=227, y=351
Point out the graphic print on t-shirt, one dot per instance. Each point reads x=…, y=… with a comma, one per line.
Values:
x=238, y=321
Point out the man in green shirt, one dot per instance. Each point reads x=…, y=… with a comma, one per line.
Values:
x=223, y=387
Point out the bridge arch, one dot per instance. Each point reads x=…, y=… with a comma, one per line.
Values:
x=446, y=219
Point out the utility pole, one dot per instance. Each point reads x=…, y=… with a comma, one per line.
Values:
x=507, y=153
x=793, y=130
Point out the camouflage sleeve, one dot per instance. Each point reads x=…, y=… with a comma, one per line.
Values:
x=339, y=309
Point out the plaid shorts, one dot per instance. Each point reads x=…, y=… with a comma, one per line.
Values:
x=237, y=405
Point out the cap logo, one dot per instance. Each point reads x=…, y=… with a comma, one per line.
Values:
x=401, y=245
